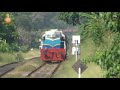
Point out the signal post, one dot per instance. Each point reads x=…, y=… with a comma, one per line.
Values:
x=76, y=42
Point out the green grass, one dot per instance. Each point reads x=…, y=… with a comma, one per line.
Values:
x=31, y=53
x=7, y=58
x=24, y=70
x=66, y=70
x=93, y=71
x=21, y=71
x=17, y=75
x=88, y=49
x=13, y=57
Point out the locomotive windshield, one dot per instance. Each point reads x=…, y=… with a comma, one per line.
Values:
x=53, y=35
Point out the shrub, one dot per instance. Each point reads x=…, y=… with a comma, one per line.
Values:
x=4, y=47
x=19, y=56
x=14, y=47
x=24, y=48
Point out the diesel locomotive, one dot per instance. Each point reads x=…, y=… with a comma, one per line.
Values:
x=53, y=46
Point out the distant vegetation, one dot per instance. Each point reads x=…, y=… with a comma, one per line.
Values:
x=23, y=29
x=30, y=26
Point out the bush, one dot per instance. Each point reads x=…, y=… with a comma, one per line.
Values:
x=24, y=48
x=4, y=47
x=14, y=47
x=19, y=56
x=35, y=43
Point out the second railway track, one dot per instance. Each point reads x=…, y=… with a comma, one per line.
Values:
x=4, y=69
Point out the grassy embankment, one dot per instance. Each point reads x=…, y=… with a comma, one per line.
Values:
x=22, y=71
x=88, y=49
x=93, y=70
x=13, y=57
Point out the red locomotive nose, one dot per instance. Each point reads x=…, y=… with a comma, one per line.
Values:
x=53, y=54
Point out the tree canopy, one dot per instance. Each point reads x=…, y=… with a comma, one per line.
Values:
x=8, y=29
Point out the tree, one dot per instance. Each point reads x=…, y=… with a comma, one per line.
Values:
x=94, y=25
x=7, y=28
x=37, y=22
x=70, y=17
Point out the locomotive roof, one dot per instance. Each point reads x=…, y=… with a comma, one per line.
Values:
x=52, y=31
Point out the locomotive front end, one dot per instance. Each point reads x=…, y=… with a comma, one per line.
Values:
x=53, y=47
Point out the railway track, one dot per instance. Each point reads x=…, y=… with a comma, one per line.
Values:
x=46, y=70
x=4, y=69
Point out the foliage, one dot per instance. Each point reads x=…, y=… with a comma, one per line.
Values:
x=35, y=43
x=25, y=28
x=8, y=33
x=24, y=48
x=8, y=30
x=108, y=59
x=33, y=21
x=19, y=56
x=30, y=25
x=94, y=25
x=14, y=47
x=4, y=47
x=70, y=17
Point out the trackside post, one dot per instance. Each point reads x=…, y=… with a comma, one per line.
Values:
x=76, y=41
x=79, y=72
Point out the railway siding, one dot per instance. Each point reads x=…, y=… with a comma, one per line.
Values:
x=7, y=68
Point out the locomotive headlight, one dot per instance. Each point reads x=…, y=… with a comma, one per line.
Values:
x=39, y=47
